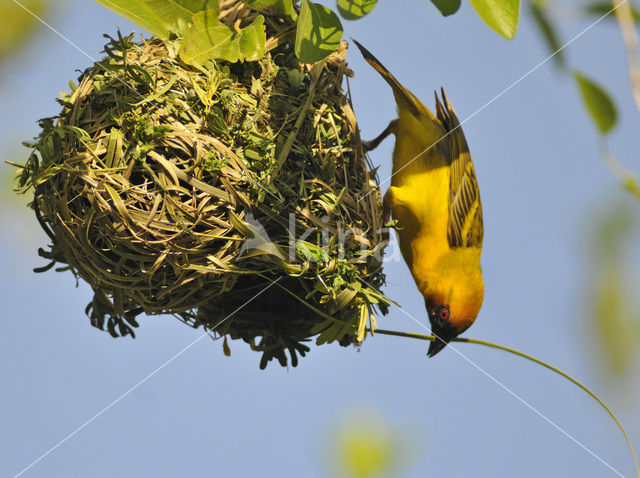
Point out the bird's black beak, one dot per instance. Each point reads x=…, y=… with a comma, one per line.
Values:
x=444, y=332
x=436, y=346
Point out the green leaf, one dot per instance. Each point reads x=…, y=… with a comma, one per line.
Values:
x=259, y=4
x=548, y=33
x=209, y=39
x=139, y=13
x=318, y=33
x=355, y=9
x=598, y=103
x=286, y=7
x=312, y=252
x=447, y=7
x=161, y=17
x=500, y=15
x=177, y=14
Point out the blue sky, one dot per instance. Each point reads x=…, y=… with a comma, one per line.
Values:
x=541, y=177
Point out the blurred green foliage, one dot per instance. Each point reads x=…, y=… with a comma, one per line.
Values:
x=598, y=103
x=366, y=445
x=631, y=185
x=597, y=100
x=17, y=25
x=613, y=284
x=604, y=7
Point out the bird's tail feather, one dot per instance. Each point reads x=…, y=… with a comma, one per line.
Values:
x=401, y=93
x=446, y=113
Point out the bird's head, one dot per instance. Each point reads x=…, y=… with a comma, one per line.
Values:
x=452, y=313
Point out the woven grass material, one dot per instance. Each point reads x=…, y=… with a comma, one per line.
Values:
x=155, y=174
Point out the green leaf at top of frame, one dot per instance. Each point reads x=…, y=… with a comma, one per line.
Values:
x=139, y=13
x=501, y=15
x=161, y=17
x=355, y=9
x=447, y=7
x=283, y=6
x=259, y=4
x=209, y=39
x=548, y=33
x=177, y=14
x=318, y=33
x=287, y=7
x=598, y=102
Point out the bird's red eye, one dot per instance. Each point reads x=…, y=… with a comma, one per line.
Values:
x=444, y=314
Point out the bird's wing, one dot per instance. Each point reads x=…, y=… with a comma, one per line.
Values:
x=466, y=228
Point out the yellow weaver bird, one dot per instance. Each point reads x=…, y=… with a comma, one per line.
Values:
x=435, y=200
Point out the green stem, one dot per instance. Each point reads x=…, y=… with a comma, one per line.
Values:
x=530, y=358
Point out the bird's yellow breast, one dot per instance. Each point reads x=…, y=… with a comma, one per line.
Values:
x=421, y=207
x=421, y=182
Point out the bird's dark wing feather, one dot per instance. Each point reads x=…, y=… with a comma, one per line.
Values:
x=466, y=228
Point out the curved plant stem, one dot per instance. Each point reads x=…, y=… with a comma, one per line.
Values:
x=624, y=14
x=530, y=358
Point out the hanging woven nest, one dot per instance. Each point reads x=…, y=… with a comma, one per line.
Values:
x=236, y=197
